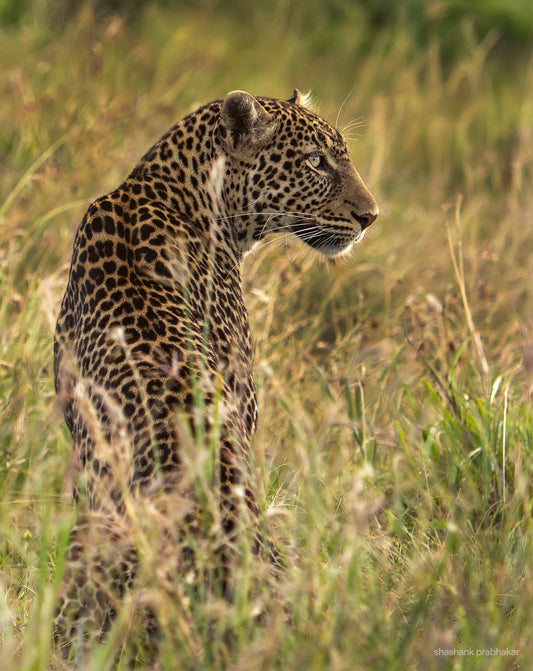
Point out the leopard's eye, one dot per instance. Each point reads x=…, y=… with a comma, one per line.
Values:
x=316, y=160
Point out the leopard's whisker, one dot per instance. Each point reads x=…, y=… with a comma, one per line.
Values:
x=351, y=125
x=282, y=213
x=348, y=95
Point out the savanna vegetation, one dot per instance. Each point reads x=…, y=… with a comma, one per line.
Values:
x=395, y=440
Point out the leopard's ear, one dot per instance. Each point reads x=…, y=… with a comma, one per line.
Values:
x=296, y=98
x=303, y=100
x=246, y=122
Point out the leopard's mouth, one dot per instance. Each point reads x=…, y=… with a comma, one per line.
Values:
x=328, y=240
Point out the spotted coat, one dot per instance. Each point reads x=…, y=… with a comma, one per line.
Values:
x=153, y=322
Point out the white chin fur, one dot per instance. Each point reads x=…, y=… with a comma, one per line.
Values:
x=335, y=251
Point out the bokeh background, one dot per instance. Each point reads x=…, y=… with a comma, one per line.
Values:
x=395, y=386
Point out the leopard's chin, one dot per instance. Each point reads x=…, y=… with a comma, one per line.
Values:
x=332, y=251
x=335, y=245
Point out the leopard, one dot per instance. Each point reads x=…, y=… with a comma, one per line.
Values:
x=153, y=352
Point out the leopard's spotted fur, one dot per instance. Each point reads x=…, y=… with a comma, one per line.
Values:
x=153, y=317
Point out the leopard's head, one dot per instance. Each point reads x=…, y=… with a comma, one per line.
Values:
x=287, y=169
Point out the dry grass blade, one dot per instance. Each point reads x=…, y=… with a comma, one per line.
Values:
x=458, y=269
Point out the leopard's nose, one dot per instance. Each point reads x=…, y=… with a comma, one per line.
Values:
x=366, y=219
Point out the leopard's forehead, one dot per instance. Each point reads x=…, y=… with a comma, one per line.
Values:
x=304, y=123
x=297, y=123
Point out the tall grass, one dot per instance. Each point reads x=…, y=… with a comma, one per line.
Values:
x=395, y=387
